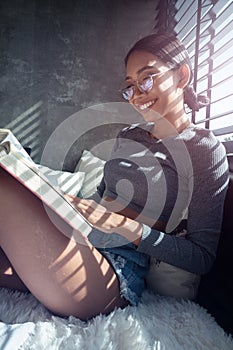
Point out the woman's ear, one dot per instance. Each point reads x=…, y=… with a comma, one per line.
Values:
x=184, y=76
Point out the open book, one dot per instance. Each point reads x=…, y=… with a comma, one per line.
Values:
x=15, y=160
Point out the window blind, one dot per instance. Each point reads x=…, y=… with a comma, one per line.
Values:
x=206, y=29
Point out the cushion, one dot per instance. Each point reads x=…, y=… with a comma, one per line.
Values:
x=169, y=280
x=67, y=182
x=92, y=166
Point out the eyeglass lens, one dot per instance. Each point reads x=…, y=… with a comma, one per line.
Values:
x=144, y=85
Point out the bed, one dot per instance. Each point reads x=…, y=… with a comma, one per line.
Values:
x=157, y=323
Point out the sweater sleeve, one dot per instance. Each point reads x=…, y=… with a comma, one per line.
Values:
x=196, y=251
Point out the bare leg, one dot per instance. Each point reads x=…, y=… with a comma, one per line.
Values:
x=67, y=277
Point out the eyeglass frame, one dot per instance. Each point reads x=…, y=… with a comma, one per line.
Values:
x=152, y=75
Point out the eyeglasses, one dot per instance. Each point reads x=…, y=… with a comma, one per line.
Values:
x=143, y=83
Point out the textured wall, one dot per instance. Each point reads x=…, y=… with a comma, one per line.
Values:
x=59, y=57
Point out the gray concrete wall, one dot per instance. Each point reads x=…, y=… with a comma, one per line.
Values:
x=60, y=57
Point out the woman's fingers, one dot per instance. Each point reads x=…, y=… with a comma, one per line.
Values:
x=107, y=221
x=95, y=213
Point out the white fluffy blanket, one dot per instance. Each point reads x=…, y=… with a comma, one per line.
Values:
x=158, y=323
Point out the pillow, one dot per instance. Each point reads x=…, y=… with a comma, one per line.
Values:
x=67, y=182
x=92, y=166
x=169, y=280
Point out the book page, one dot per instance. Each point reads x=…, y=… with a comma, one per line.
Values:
x=26, y=172
x=7, y=136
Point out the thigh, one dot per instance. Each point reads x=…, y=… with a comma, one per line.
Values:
x=67, y=277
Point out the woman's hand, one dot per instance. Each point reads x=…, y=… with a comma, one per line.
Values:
x=107, y=221
x=97, y=214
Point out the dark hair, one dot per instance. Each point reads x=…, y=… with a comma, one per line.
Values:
x=172, y=52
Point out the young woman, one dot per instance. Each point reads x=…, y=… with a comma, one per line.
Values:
x=161, y=198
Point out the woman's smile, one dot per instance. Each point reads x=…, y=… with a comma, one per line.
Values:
x=146, y=105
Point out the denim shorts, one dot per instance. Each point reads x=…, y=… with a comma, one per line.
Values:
x=129, y=265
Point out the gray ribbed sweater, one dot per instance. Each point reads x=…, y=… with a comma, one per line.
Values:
x=180, y=177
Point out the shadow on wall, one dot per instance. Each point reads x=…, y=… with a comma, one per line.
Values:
x=26, y=127
x=58, y=58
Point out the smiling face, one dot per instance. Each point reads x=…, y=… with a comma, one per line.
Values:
x=165, y=99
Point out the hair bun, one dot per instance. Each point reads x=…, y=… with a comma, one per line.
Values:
x=193, y=100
